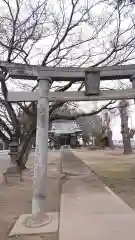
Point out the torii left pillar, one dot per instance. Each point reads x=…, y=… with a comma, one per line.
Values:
x=39, y=217
x=39, y=221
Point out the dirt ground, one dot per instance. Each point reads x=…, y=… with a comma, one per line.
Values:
x=15, y=199
x=115, y=170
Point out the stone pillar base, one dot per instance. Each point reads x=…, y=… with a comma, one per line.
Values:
x=20, y=228
x=12, y=175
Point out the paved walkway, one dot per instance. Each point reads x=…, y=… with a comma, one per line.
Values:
x=89, y=210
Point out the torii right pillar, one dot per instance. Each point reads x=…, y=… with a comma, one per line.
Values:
x=132, y=80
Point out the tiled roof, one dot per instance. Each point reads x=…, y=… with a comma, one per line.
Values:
x=65, y=127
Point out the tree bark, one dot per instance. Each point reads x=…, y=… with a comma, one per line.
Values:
x=27, y=153
x=124, y=127
x=24, y=148
x=6, y=145
x=107, y=129
x=126, y=143
x=110, y=141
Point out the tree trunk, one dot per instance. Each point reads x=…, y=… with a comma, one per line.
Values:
x=25, y=148
x=107, y=129
x=110, y=141
x=126, y=142
x=27, y=153
x=124, y=127
x=6, y=145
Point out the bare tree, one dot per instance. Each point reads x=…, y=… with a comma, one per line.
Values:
x=71, y=33
x=89, y=125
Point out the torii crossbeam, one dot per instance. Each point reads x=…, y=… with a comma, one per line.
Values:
x=31, y=72
x=91, y=76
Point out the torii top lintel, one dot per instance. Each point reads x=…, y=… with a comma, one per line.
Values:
x=32, y=72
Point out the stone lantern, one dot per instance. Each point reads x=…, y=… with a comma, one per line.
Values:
x=13, y=143
x=13, y=146
x=13, y=172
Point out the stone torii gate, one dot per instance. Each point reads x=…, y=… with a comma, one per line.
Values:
x=91, y=77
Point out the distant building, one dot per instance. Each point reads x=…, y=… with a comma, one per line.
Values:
x=65, y=132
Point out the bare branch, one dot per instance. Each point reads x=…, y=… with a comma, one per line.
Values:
x=4, y=137
x=5, y=127
x=52, y=49
x=74, y=117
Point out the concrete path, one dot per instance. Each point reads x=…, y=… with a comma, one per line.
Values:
x=89, y=210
